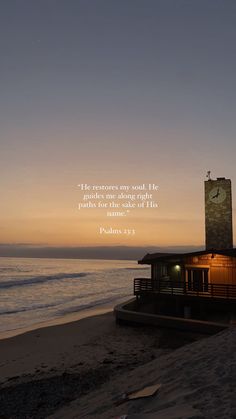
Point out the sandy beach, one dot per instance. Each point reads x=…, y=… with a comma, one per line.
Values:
x=77, y=369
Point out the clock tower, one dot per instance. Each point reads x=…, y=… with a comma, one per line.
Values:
x=218, y=213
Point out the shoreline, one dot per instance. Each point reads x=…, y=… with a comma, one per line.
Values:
x=67, y=318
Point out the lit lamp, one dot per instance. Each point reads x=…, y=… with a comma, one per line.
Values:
x=177, y=270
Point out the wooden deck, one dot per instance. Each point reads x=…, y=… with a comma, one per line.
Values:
x=149, y=286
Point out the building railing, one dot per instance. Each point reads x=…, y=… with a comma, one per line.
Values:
x=171, y=287
x=143, y=285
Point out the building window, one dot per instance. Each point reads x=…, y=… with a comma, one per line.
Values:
x=197, y=280
x=164, y=270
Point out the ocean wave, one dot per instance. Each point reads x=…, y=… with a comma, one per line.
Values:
x=6, y=269
x=66, y=301
x=41, y=306
x=136, y=269
x=41, y=279
x=92, y=304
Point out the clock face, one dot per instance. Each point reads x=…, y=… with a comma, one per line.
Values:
x=217, y=195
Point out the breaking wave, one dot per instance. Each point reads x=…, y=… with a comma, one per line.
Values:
x=42, y=278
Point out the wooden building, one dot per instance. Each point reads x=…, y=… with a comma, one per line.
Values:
x=199, y=285
x=204, y=272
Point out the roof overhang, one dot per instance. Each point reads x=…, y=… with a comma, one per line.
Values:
x=151, y=258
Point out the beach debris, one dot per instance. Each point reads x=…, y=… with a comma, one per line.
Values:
x=139, y=394
x=145, y=392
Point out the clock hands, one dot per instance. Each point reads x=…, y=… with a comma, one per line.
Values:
x=217, y=194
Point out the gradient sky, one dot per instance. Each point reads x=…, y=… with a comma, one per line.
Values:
x=114, y=92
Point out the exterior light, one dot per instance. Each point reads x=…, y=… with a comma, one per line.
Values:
x=177, y=267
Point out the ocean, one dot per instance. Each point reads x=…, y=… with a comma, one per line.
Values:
x=34, y=291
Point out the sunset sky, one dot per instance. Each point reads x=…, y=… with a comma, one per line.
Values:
x=114, y=92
